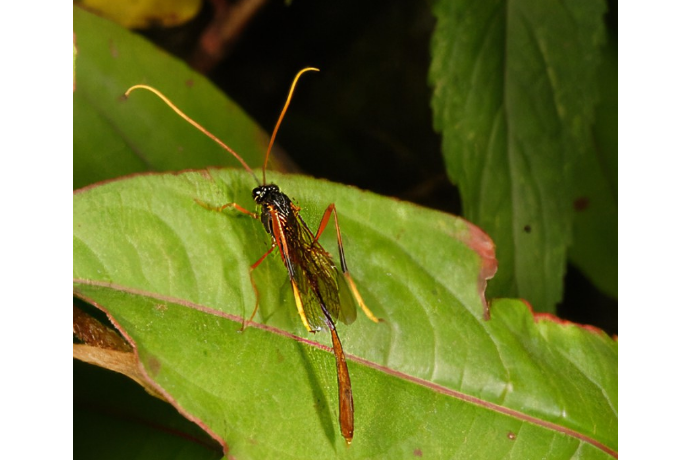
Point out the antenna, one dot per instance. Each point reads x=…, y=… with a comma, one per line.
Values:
x=282, y=114
x=198, y=126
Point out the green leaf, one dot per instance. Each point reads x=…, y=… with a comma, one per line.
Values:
x=434, y=379
x=109, y=408
x=114, y=137
x=595, y=230
x=514, y=96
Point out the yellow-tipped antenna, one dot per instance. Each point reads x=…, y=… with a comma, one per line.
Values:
x=195, y=124
x=282, y=114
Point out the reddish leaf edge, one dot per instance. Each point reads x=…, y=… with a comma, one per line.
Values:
x=416, y=380
x=550, y=317
x=168, y=397
x=122, y=415
x=482, y=244
x=205, y=173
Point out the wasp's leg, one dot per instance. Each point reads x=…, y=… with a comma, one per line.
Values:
x=300, y=307
x=343, y=264
x=228, y=205
x=256, y=291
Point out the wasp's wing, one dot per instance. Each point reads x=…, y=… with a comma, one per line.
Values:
x=316, y=276
x=348, y=305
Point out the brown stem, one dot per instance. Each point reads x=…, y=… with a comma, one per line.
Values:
x=219, y=37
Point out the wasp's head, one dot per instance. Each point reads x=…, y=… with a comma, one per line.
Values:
x=265, y=193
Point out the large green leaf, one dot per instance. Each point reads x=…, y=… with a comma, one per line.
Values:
x=109, y=409
x=114, y=137
x=435, y=379
x=514, y=98
x=595, y=228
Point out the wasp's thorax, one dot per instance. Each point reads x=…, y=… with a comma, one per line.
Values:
x=272, y=200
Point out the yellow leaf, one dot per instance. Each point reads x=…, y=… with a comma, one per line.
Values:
x=143, y=14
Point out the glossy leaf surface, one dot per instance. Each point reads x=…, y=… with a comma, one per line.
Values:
x=435, y=379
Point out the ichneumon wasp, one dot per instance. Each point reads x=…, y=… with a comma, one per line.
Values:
x=323, y=294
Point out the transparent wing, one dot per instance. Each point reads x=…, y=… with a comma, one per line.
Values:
x=316, y=276
x=348, y=305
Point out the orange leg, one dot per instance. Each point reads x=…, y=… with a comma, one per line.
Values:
x=253, y=215
x=343, y=264
x=256, y=290
x=256, y=264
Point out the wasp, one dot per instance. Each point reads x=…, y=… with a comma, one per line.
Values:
x=323, y=294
